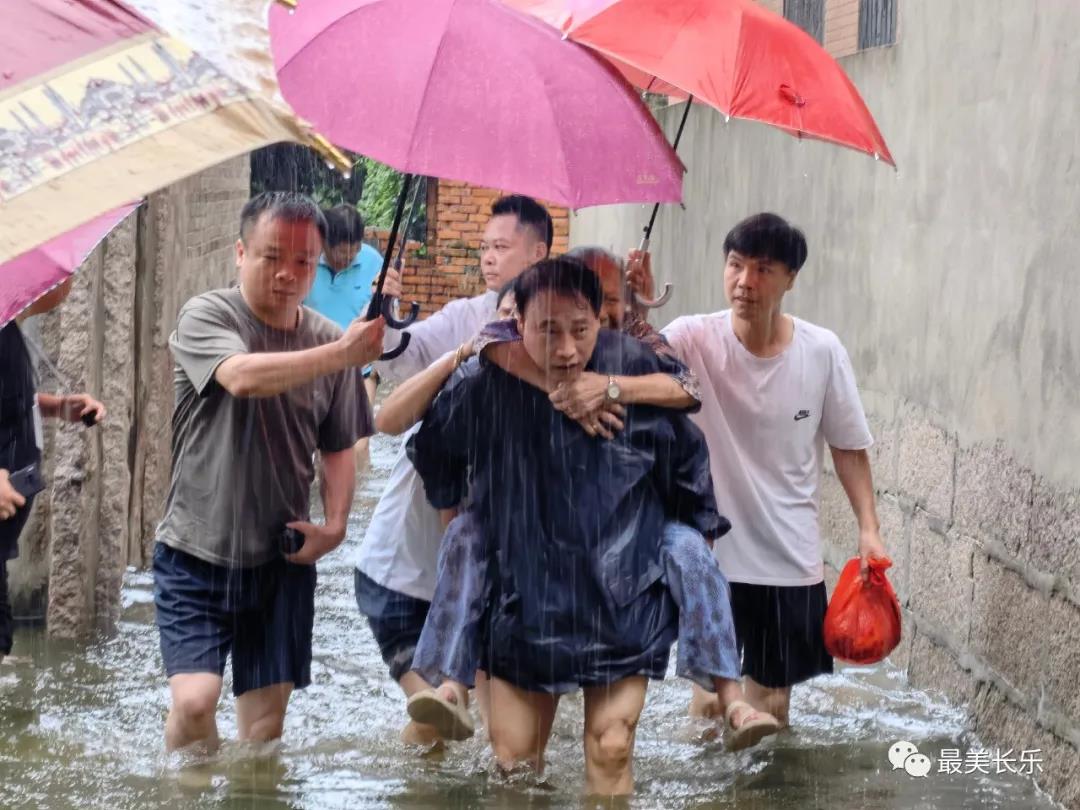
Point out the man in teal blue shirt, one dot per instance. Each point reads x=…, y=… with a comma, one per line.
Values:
x=347, y=269
x=343, y=285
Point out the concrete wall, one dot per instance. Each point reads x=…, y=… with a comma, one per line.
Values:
x=953, y=284
x=108, y=484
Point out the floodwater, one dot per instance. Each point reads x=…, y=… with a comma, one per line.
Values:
x=81, y=726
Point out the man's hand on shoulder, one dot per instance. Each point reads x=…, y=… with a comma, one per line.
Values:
x=362, y=341
x=582, y=396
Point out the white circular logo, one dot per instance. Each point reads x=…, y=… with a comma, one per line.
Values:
x=899, y=752
x=917, y=765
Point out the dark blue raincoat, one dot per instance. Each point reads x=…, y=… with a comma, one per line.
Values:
x=573, y=522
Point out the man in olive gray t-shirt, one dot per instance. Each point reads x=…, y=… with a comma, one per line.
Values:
x=262, y=385
x=243, y=468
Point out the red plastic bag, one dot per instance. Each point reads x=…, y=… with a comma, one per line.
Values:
x=862, y=623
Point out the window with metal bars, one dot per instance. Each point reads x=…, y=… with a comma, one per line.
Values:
x=877, y=23
x=809, y=15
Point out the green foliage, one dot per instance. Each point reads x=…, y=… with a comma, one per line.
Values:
x=372, y=187
x=382, y=185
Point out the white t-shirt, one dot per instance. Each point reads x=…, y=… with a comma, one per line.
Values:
x=401, y=547
x=400, y=550
x=766, y=422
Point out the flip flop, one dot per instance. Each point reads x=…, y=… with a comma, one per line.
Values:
x=453, y=722
x=755, y=727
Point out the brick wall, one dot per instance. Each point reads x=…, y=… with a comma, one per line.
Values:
x=841, y=27
x=457, y=213
x=841, y=24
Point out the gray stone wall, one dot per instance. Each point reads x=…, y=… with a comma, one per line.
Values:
x=985, y=557
x=952, y=282
x=107, y=485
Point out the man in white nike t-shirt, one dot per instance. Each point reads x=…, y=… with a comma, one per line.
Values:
x=775, y=390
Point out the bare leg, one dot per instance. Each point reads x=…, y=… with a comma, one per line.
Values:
x=417, y=733
x=520, y=724
x=483, y=697
x=774, y=701
x=363, y=456
x=260, y=713
x=192, y=715
x=611, y=717
x=705, y=704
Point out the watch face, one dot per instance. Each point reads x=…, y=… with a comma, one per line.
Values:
x=613, y=391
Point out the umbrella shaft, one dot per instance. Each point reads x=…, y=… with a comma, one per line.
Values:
x=675, y=146
x=398, y=213
x=400, y=260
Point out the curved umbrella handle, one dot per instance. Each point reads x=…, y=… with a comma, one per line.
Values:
x=394, y=323
x=654, y=303
x=399, y=349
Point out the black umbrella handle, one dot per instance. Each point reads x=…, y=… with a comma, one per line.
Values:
x=382, y=305
x=394, y=323
x=399, y=349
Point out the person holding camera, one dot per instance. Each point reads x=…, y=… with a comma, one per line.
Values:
x=21, y=410
x=262, y=383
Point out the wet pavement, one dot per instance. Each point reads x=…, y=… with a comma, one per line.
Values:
x=81, y=726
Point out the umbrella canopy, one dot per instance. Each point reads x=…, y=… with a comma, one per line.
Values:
x=26, y=278
x=475, y=91
x=99, y=107
x=734, y=55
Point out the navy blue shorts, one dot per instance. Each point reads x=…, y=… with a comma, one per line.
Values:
x=263, y=616
x=396, y=620
x=780, y=631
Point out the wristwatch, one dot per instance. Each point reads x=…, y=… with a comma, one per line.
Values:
x=613, y=390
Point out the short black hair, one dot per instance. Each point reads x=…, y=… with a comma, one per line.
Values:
x=529, y=213
x=343, y=225
x=768, y=236
x=563, y=276
x=286, y=205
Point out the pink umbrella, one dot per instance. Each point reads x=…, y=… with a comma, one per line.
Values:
x=29, y=276
x=472, y=90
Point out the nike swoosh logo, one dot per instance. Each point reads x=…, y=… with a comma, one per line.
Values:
x=802, y=415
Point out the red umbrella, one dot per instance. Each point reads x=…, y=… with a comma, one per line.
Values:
x=734, y=55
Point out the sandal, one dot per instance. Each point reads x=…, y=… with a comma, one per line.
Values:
x=754, y=727
x=452, y=721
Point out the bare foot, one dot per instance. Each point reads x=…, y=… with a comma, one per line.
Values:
x=422, y=735
x=445, y=708
x=746, y=726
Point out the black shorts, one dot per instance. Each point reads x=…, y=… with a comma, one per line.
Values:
x=396, y=621
x=780, y=631
x=262, y=616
